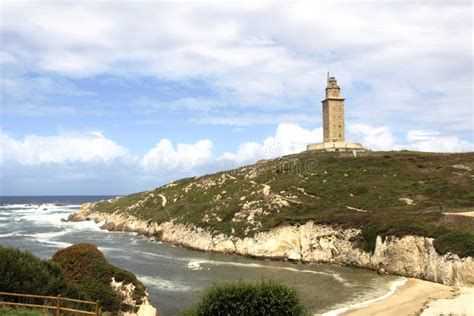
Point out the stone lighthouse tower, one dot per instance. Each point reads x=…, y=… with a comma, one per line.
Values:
x=333, y=122
x=333, y=112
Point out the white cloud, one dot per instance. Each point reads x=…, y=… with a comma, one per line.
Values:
x=432, y=141
x=288, y=139
x=373, y=137
x=404, y=51
x=90, y=161
x=94, y=147
x=39, y=150
x=382, y=138
x=164, y=156
x=240, y=119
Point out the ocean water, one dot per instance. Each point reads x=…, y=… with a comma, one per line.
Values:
x=175, y=277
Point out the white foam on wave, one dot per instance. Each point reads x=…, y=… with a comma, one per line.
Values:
x=45, y=217
x=43, y=212
x=196, y=264
x=84, y=225
x=17, y=206
x=392, y=289
x=164, y=285
x=50, y=214
x=157, y=255
x=11, y=234
x=109, y=249
x=334, y=275
x=48, y=238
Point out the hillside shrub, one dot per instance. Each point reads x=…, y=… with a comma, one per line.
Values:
x=369, y=238
x=22, y=272
x=456, y=241
x=262, y=298
x=87, y=267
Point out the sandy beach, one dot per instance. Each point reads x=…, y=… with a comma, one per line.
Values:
x=418, y=297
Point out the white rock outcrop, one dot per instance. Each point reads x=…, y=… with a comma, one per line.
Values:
x=125, y=292
x=410, y=256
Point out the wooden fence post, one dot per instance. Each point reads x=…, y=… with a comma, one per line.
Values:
x=97, y=308
x=58, y=305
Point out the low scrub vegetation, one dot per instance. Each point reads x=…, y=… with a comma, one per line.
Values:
x=87, y=268
x=262, y=298
x=21, y=272
x=80, y=271
x=384, y=193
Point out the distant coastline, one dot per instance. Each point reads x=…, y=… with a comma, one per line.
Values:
x=43, y=199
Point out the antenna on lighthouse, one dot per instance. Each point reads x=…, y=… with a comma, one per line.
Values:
x=328, y=78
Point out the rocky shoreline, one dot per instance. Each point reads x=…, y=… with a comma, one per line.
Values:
x=409, y=256
x=125, y=292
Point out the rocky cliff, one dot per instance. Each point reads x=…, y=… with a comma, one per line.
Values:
x=410, y=256
x=126, y=292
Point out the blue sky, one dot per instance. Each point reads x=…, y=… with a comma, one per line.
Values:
x=112, y=98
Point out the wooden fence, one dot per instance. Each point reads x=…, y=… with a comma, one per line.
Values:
x=56, y=307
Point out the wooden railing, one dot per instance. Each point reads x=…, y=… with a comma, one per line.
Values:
x=57, y=301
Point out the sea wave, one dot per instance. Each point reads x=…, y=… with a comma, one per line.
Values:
x=48, y=238
x=46, y=214
x=157, y=255
x=165, y=285
x=17, y=206
x=392, y=289
x=11, y=234
x=194, y=264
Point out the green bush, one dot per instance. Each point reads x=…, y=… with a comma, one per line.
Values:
x=456, y=241
x=262, y=298
x=369, y=238
x=80, y=271
x=22, y=272
x=87, y=267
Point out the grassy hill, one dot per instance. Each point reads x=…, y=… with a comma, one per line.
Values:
x=388, y=193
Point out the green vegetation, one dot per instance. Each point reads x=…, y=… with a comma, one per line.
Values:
x=21, y=272
x=369, y=237
x=263, y=298
x=21, y=312
x=87, y=268
x=80, y=271
x=384, y=193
